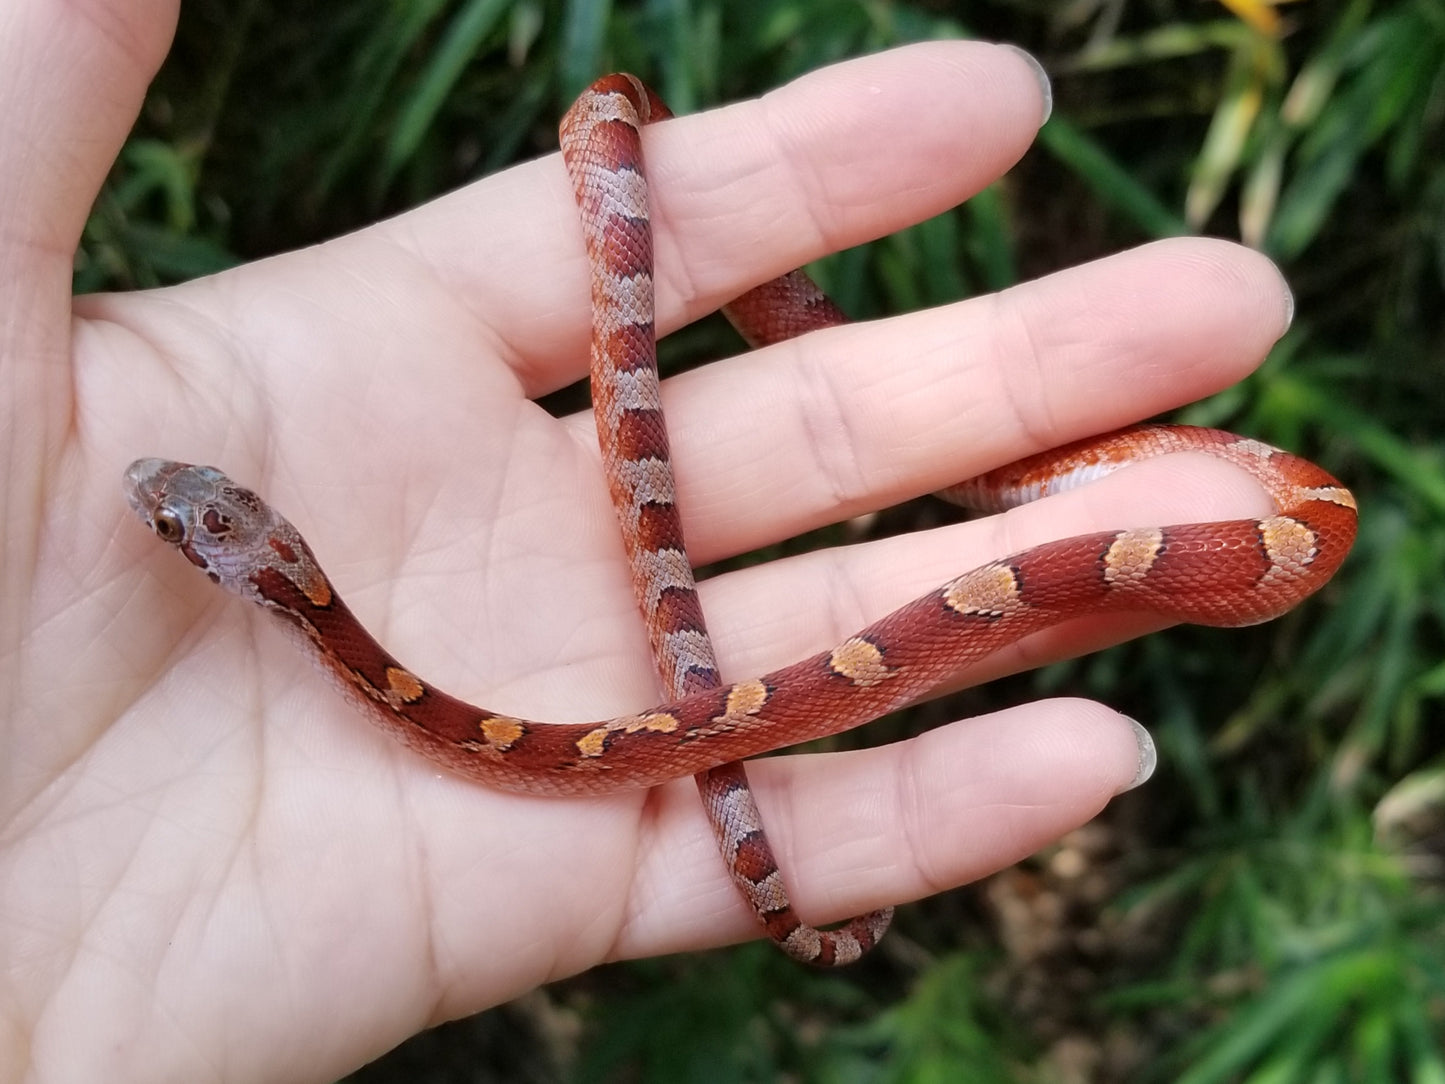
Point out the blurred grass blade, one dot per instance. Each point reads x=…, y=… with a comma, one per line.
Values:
x=371, y=83
x=166, y=169
x=991, y=239
x=460, y=44
x=1234, y=119
x=584, y=28
x=1169, y=42
x=1397, y=65
x=1110, y=183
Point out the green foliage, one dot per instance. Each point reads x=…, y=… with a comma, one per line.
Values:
x=947, y=1027
x=1274, y=910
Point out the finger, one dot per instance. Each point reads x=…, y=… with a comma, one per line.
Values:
x=772, y=614
x=859, y=830
x=739, y=195
x=944, y=116
x=71, y=80
x=73, y=76
x=816, y=430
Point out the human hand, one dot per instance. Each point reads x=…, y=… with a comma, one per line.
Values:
x=204, y=845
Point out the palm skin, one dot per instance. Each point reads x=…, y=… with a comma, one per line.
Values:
x=210, y=867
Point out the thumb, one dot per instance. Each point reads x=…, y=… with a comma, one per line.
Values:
x=72, y=76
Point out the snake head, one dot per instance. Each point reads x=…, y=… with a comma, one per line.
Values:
x=222, y=528
x=168, y=496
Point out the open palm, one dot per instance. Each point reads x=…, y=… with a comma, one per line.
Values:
x=210, y=867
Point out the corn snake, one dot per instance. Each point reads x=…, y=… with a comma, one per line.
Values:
x=1229, y=573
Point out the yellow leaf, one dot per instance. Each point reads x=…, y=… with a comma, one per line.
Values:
x=1259, y=14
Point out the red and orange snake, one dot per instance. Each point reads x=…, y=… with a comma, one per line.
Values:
x=1228, y=573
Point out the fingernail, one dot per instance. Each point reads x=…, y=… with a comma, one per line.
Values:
x=1148, y=757
x=1288, y=307
x=1045, y=87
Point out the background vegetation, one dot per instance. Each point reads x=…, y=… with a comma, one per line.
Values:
x=1270, y=908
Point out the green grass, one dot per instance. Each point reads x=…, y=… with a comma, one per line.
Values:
x=1270, y=909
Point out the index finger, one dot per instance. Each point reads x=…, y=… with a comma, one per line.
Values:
x=738, y=194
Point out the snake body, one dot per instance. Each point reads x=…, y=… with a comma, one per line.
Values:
x=1227, y=573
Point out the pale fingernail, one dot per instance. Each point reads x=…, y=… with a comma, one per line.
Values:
x=1148, y=757
x=1045, y=87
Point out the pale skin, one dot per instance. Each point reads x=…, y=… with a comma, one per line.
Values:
x=211, y=868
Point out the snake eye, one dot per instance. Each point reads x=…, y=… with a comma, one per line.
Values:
x=168, y=526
